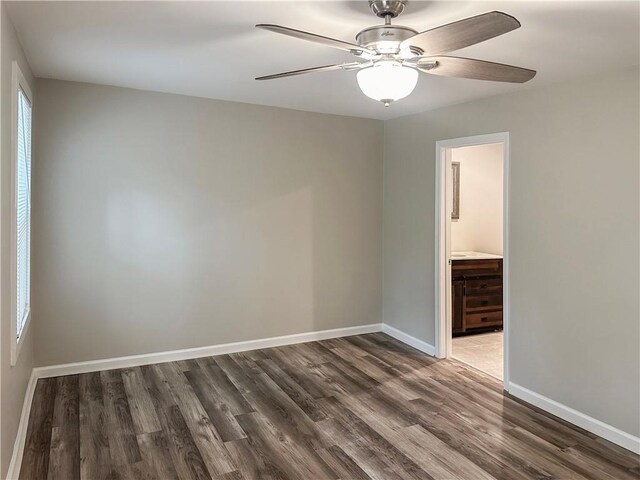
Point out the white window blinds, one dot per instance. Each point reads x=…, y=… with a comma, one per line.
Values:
x=23, y=210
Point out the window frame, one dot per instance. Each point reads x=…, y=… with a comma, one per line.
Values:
x=18, y=82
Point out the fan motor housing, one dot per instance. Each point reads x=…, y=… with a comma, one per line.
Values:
x=384, y=8
x=369, y=37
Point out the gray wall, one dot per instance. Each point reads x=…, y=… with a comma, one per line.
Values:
x=13, y=380
x=164, y=222
x=574, y=235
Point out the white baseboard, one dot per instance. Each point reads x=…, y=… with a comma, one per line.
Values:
x=209, y=351
x=21, y=436
x=409, y=340
x=608, y=432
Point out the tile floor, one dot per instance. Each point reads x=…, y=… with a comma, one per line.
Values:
x=482, y=351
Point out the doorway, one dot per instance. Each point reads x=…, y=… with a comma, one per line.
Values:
x=479, y=274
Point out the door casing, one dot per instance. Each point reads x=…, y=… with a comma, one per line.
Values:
x=444, y=205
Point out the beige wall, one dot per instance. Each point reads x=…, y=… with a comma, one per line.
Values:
x=479, y=227
x=574, y=235
x=13, y=380
x=164, y=222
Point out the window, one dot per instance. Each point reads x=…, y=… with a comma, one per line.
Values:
x=21, y=245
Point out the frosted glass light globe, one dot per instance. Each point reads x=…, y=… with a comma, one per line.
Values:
x=387, y=81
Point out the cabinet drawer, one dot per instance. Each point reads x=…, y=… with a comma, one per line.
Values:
x=484, y=286
x=483, y=319
x=483, y=303
x=470, y=268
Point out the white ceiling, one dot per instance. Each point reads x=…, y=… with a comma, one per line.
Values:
x=211, y=49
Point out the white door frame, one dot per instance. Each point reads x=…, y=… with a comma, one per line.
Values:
x=444, y=203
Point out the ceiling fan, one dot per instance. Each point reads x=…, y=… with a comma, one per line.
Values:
x=391, y=56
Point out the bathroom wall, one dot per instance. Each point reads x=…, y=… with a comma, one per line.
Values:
x=479, y=227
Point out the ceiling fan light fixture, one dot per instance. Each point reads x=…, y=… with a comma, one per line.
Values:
x=387, y=81
x=391, y=56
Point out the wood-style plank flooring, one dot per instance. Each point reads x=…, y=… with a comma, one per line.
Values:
x=351, y=408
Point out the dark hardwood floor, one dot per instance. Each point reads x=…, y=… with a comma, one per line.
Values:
x=351, y=408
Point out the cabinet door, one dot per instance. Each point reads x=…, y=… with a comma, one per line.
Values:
x=457, y=295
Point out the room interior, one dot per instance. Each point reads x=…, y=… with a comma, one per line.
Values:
x=213, y=270
x=476, y=246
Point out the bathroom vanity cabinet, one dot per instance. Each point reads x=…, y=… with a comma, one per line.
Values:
x=476, y=293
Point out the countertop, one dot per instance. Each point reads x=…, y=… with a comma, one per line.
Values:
x=473, y=256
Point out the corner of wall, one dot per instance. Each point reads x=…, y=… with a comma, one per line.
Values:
x=382, y=269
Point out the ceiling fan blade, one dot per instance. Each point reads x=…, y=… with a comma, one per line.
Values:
x=474, y=69
x=320, y=39
x=462, y=33
x=325, y=68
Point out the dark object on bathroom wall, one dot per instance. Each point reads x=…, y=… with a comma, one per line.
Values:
x=455, y=171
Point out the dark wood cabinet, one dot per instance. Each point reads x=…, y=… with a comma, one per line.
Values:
x=476, y=295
